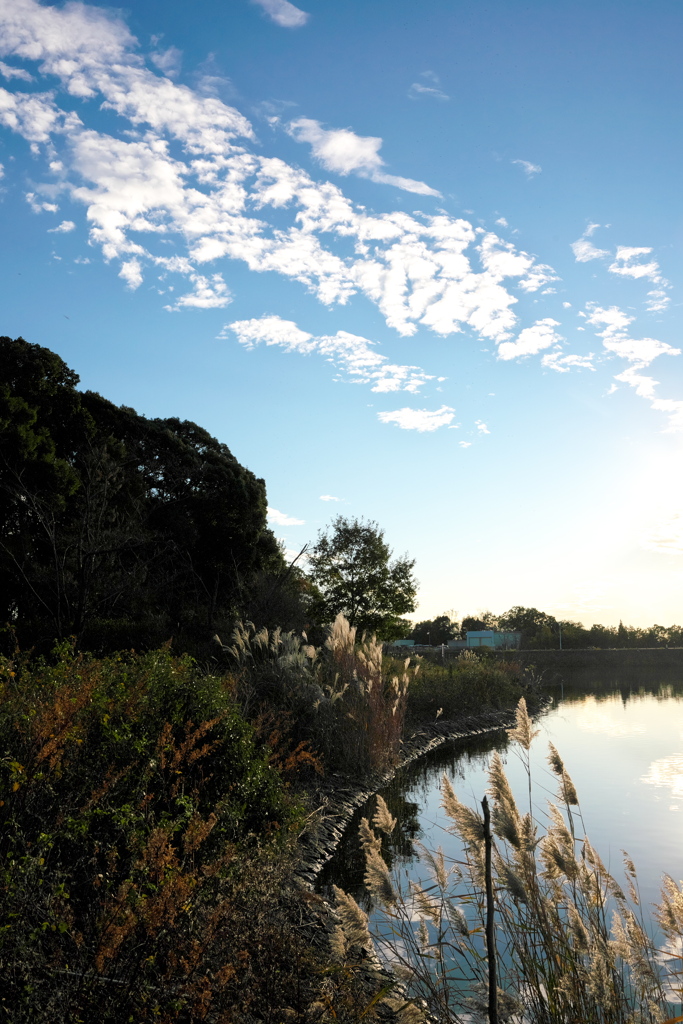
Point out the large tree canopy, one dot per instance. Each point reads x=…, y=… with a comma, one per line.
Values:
x=113, y=527
x=351, y=564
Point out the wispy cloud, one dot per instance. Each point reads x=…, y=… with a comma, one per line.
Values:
x=481, y=427
x=563, y=364
x=342, y=151
x=613, y=324
x=282, y=519
x=63, y=228
x=283, y=13
x=584, y=250
x=329, y=497
x=422, y=420
x=418, y=90
x=208, y=293
x=168, y=61
x=529, y=169
x=627, y=263
x=9, y=72
x=354, y=355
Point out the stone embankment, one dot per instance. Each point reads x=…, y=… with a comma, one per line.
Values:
x=339, y=797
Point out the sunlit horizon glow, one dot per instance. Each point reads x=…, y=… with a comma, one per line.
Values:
x=424, y=259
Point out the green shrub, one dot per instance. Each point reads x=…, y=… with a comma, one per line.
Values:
x=131, y=790
x=462, y=687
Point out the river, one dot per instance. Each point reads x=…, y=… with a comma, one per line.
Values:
x=622, y=746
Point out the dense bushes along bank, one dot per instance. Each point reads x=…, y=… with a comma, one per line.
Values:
x=148, y=816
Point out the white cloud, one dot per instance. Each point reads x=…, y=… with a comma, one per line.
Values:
x=281, y=519
x=563, y=364
x=627, y=263
x=213, y=199
x=481, y=427
x=9, y=72
x=666, y=537
x=625, y=266
x=674, y=409
x=342, y=151
x=131, y=272
x=640, y=352
x=355, y=355
x=173, y=187
x=529, y=169
x=584, y=251
x=329, y=497
x=208, y=293
x=35, y=116
x=502, y=221
x=657, y=300
x=614, y=323
x=422, y=420
x=283, y=13
x=531, y=340
x=271, y=330
x=465, y=444
x=612, y=319
x=39, y=207
x=168, y=61
x=66, y=225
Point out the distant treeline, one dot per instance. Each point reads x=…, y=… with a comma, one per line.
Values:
x=124, y=531
x=541, y=631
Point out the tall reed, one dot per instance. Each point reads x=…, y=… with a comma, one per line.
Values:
x=340, y=699
x=572, y=947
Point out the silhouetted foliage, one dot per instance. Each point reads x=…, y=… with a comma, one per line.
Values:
x=351, y=566
x=117, y=529
x=435, y=631
x=485, y=620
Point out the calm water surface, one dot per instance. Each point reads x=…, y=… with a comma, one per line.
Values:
x=623, y=747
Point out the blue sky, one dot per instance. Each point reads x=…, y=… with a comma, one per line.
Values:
x=413, y=262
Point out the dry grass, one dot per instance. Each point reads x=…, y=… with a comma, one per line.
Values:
x=572, y=948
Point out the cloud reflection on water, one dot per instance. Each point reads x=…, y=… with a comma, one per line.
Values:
x=666, y=771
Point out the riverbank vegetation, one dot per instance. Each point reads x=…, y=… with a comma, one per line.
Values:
x=527, y=924
x=147, y=842
x=149, y=814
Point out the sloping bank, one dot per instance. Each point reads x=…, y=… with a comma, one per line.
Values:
x=339, y=796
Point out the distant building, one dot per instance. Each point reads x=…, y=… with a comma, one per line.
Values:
x=498, y=639
x=489, y=638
